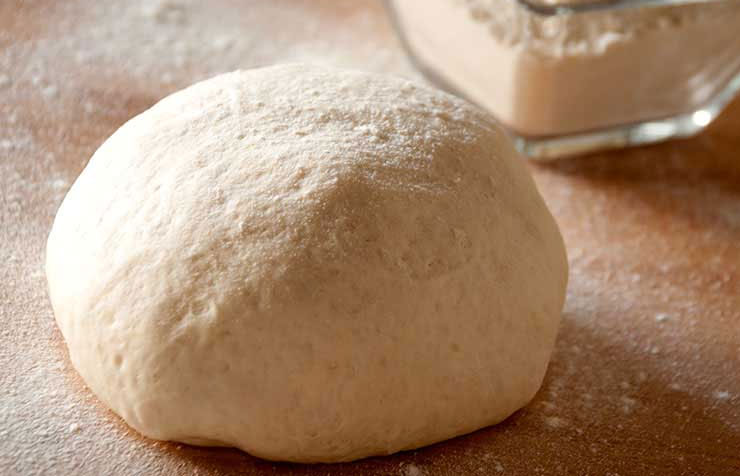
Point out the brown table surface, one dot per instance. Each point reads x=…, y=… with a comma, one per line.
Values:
x=644, y=379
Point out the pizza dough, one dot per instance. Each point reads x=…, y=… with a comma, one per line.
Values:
x=308, y=264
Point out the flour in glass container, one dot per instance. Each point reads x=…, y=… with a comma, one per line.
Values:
x=565, y=74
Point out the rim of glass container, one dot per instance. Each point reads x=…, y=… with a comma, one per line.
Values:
x=561, y=7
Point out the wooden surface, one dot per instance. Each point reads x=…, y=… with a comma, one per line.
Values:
x=644, y=379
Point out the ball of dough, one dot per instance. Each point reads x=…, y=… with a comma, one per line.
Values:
x=308, y=264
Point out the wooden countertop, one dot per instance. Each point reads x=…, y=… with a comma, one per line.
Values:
x=644, y=379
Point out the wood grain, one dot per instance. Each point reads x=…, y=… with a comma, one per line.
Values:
x=644, y=379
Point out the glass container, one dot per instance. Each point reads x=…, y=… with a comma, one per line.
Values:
x=567, y=77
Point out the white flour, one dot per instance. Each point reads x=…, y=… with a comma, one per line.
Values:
x=566, y=35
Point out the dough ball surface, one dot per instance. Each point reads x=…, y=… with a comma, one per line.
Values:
x=308, y=264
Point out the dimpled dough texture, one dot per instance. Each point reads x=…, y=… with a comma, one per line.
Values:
x=308, y=264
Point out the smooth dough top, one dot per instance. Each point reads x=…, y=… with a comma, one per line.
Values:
x=309, y=264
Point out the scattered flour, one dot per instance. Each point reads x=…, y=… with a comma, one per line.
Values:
x=555, y=422
x=661, y=317
x=721, y=395
x=628, y=404
x=50, y=91
x=59, y=184
x=165, y=11
x=187, y=40
x=549, y=406
x=411, y=469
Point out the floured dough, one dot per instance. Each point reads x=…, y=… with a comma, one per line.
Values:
x=308, y=264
